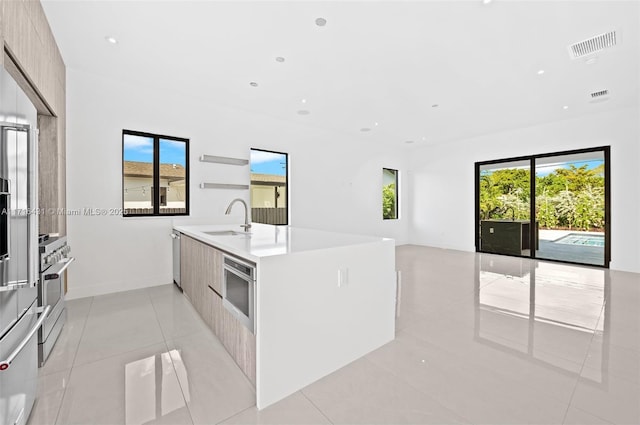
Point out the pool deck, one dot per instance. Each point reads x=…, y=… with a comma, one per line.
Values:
x=567, y=252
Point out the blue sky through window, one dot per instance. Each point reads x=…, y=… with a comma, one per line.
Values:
x=140, y=148
x=268, y=163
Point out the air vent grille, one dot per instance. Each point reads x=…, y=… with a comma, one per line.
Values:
x=593, y=45
x=600, y=93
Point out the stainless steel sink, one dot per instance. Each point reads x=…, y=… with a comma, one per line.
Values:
x=226, y=233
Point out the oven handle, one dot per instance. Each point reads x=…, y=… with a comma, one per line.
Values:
x=57, y=274
x=4, y=364
x=238, y=273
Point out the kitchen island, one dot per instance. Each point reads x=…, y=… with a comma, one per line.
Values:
x=322, y=300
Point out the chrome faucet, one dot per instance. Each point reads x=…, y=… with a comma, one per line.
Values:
x=247, y=218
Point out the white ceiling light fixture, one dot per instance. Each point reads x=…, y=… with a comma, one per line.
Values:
x=111, y=40
x=540, y=71
x=280, y=59
x=375, y=124
x=304, y=100
x=565, y=107
x=321, y=22
x=486, y=1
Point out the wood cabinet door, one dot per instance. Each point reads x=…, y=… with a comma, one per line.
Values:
x=193, y=271
x=186, y=266
x=201, y=268
x=214, y=268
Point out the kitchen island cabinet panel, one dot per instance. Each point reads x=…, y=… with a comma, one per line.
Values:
x=239, y=342
x=193, y=271
x=201, y=268
x=322, y=300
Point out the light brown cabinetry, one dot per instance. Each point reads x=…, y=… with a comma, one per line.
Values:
x=238, y=341
x=201, y=270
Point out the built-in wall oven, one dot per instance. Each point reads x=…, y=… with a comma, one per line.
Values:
x=54, y=260
x=239, y=290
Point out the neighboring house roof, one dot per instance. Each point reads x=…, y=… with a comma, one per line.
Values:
x=145, y=169
x=268, y=179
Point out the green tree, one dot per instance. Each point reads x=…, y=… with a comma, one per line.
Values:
x=389, y=201
x=547, y=214
x=490, y=205
x=566, y=208
x=590, y=208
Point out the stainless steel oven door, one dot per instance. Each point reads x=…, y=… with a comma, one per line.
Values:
x=238, y=291
x=51, y=293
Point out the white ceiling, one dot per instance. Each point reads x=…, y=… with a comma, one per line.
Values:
x=384, y=62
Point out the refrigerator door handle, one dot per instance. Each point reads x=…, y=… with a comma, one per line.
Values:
x=4, y=364
x=14, y=286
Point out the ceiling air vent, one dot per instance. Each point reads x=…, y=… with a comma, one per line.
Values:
x=600, y=93
x=593, y=45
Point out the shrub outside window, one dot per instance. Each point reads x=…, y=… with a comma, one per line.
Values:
x=389, y=194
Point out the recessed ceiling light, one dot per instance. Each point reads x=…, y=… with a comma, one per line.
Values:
x=303, y=112
x=541, y=71
x=304, y=100
x=279, y=59
x=321, y=22
x=365, y=129
x=424, y=138
x=253, y=84
x=486, y=1
x=565, y=107
x=408, y=142
x=375, y=124
x=111, y=40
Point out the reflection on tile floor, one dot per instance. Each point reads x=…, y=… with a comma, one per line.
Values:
x=480, y=339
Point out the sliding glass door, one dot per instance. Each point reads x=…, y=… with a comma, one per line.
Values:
x=505, y=207
x=570, y=206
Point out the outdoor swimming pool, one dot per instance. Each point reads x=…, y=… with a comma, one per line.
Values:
x=584, y=240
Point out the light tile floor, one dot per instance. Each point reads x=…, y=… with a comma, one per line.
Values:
x=480, y=339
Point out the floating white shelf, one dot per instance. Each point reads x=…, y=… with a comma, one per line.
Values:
x=223, y=186
x=223, y=160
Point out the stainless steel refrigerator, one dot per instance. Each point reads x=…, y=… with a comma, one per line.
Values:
x=20, y=318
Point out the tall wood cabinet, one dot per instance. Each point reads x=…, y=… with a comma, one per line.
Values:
x=201, y=275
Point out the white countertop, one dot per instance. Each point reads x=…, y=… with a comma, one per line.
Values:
x=265, y=240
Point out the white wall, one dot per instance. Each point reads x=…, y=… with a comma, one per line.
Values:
x=115, y=254
x=442, y=179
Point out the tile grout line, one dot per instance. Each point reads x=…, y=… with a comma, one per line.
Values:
x=235, y=414
x=115, y=354
x=418, y=390
x=75, y=354
x=173, y=365
x=584, y=362
x=314, y=405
